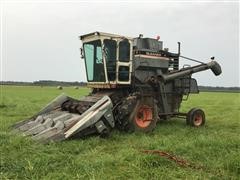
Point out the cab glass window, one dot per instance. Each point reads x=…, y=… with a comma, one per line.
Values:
x=123, y=73
x=110, y=50
x=94, y=61
x=124, y=50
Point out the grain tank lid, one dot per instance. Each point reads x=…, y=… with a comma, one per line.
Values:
x=96, y=33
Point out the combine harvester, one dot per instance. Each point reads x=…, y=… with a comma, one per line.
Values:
x=135, y=83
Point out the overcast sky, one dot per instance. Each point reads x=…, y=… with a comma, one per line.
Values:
x=39, y=40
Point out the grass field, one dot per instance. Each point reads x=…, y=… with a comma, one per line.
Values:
x=216, y=146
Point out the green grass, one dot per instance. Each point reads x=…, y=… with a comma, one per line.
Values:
x=216, y=146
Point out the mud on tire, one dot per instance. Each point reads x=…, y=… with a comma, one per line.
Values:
x=137, y=114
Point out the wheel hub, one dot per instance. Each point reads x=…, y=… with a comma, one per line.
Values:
x=197, y=119
x=144, y=116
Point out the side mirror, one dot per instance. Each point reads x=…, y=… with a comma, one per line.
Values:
x=104, y=48
x=82, y=54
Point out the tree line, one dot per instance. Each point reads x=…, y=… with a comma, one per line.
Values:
x=76, y=83
x=43, y=83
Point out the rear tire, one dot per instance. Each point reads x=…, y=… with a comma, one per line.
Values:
x=195, y=117
x=189, y=114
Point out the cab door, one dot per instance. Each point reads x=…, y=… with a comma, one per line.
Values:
x=124, y=63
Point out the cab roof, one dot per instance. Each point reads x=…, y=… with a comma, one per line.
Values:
x=96, y=33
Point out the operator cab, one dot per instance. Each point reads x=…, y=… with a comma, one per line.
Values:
x=108, y=59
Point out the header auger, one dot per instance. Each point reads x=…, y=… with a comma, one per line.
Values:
x=135, y=83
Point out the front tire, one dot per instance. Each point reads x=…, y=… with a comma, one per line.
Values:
x=143, y=118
